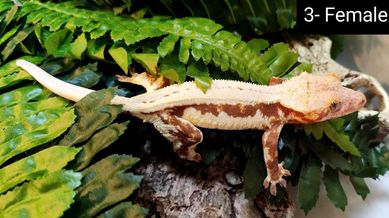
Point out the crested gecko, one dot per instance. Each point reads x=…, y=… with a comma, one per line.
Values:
x=177, y=110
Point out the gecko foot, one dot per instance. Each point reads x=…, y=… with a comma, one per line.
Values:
x=273, y=180
x=148, y=81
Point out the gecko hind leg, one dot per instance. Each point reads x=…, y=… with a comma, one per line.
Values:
x=183, y=134
x=275, y=170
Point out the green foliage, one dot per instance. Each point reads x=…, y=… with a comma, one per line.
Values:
x=32, y=131
x=102, y=139
x=257, y=16
x=360, y=186
x=94, y=132
x=310, y=178
x=88, y=123
x=371, y=163
x=69, y=31
x=100, y=189
x=50, y=195
x=47, y=161
x=124, y=210
x=178, y=49
x=334, y=131
x=254, y=173
x=85, y=76
x=334, y=189
x=30, y=118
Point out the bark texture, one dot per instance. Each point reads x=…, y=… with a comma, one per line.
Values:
x=180, y=189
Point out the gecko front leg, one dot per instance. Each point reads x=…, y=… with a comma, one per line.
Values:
x=275, y=170
x=183, y=134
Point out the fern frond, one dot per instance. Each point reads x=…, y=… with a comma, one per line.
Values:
x=244, y=16
x=198, y=38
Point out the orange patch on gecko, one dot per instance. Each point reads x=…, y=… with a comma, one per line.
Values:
x=271, y=142
x=185, y=133
x=243, y=110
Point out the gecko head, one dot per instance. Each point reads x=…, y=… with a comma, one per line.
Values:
x=320, y=98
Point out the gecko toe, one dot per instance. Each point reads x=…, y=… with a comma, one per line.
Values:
x=273, y=189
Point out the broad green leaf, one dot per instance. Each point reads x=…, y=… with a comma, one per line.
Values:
x=50, y=195
x=58, y=43
x=88, y=123
x=85, y=76
x=183, y=54
x=8, y=34
x=58, y=66
x=98, y=142
x=334, y=189
x=340, y=139
x=18, y=38
x=200, y=73
x=100, y=189
x=167, y=45
x=37, y=136
x=274, y=52
x=23, y=94
x=254, y=173
x=8, y=18
x=148, y=61
x=47, y=161
x=303, y=67
x=172, y=69
x=13, y=79
x=38, y=33
x=96, y=49
x=283, y=63
x=27, y=108
x=120, y=56
x=203, y=82
x=78, y=47
x=197, y=69
x=310, y=177
x=360, y=186
x=11, y=67
x=124, y=210
x=330, y=156
x=210, y=42
x=258, y=45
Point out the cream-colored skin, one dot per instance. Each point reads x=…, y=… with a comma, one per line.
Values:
x=176, y=110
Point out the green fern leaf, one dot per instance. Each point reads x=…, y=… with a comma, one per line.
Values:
x=16, y=40
x=27, y=108
x=23, y=94
x=199, y=37
x=167, y=45
x=98, y=142
x=334, y=189
x=148, y=61
x=338, y=137
x=53, y=192
x=54, y=124
x=125, y=209
x=47, y=161
x=310, y=178
x=93, y=193
x=88, y=123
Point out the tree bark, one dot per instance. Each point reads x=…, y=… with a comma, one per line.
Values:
x=177, y=188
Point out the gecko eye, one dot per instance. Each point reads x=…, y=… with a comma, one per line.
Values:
x=334, y=106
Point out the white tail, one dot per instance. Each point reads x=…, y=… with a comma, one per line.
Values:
x=64, y=89
x=59, y=87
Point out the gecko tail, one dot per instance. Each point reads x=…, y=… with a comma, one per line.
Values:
x=59, y=87
x=64, y=89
